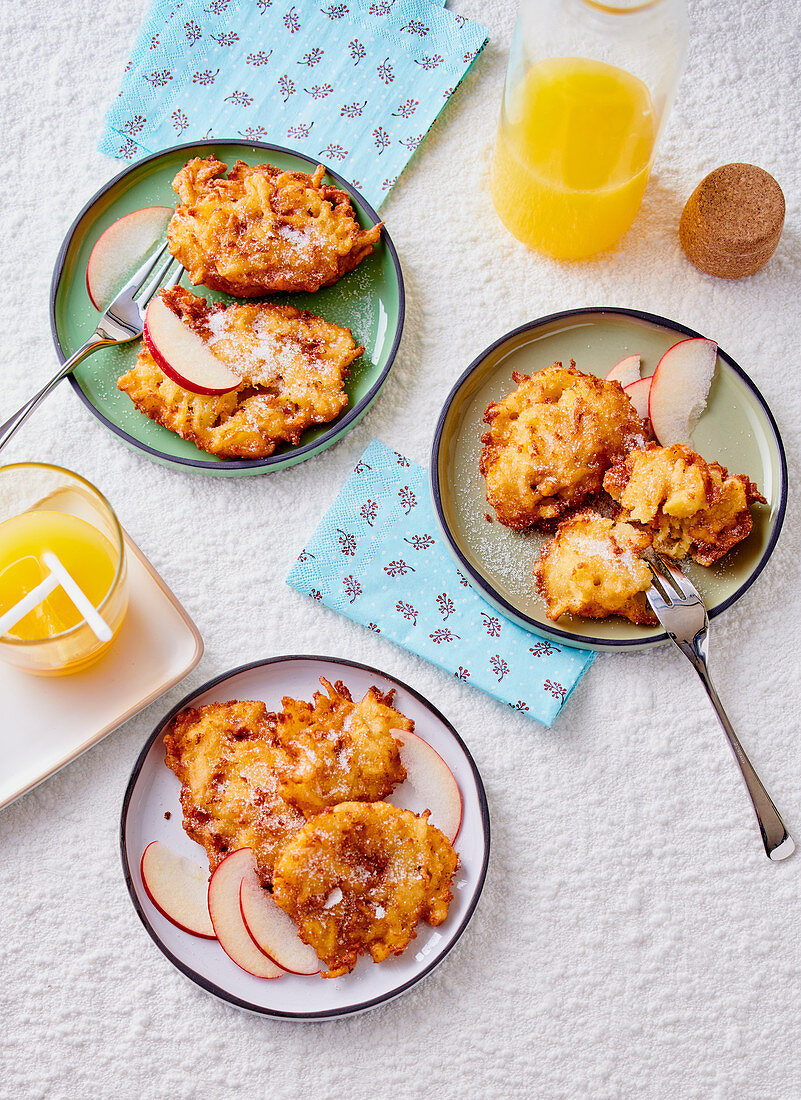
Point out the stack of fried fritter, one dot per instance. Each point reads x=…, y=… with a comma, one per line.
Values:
x=560, y=438
x=257, y=231
x=302, y=787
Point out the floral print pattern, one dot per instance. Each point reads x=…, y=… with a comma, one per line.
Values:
x=408, y=57
x=366, y=562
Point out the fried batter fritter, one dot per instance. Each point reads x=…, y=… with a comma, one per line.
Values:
x=251, y=778
x=262, y=230
x=292, y=363
x=391, y=868
x=695, y=508
x=551, y=440
x=591, y=567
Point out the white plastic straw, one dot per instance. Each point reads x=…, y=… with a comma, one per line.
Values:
x=27, y=603
x=97, y=624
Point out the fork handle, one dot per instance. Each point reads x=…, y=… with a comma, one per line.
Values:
x=778, y=842
x=10, y=426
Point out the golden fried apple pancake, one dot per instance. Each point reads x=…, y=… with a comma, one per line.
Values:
x=360, y=877
x=229, y=759
x=251, y=778
x=341, y=751
x=291, y=362
x=694, y=508
x=261, y=230
x=592, y=568
x=551, y=440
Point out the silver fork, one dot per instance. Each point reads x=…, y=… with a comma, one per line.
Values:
x=677, y=604
x=122, y=321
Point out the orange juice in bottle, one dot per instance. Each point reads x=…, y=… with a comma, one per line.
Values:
x=588, y=86
x=573, y=154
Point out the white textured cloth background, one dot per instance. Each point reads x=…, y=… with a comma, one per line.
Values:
x=632, y=940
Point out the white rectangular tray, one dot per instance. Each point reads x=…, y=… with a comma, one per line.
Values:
x=46, y=722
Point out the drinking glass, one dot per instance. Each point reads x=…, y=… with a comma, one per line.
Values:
x=51, y=515
x=588, y=88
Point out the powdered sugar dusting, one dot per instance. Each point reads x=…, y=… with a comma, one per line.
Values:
x=263, y=358
x=334, y=898
x=304, y=240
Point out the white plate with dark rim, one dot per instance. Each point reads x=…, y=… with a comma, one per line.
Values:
x=151, y=810
x=737, y=429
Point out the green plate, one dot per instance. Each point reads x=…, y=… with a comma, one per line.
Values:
x=737, y=429
x=369, y=301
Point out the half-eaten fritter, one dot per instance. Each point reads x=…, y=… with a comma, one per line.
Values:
x=592, y=568
x=251, y=778
x=261, y=230
x=360, y=877
x=292, y=364
x=693, y=507
x=551, y=440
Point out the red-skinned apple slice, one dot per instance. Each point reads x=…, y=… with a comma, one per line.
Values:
x=626, y=372
x=226, y=916
x=272, y=931
x=638, y=393
x=680, y=388
x=182, y=354
x=121, y=249
x=432, y=781
x=178, y=888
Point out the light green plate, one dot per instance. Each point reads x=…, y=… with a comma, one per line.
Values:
x=369, y=301
x=736, y=429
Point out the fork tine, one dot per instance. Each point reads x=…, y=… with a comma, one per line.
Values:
x=175, y=278
x=667, y=582
x=658, y=598
x=137, y=279
x=658, y=588
x=153, y=283
x=680, y=581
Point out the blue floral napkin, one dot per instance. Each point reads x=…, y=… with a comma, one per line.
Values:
x=378, y=558
x=355, y=85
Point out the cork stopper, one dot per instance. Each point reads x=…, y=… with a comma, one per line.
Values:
x=733, y=221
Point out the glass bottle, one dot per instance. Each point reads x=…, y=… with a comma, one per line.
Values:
x=588, y=88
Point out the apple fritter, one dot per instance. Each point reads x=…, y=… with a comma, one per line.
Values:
x=592, y=568
x=292, y=363
x=261, y=230
x=551, y=440
x=695, y=508
x=251, y=778
x=360, y=877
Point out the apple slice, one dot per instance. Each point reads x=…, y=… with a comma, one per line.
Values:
x=638, y=393
x=121, y=249
x=272, y=931
x=182, y=354
x=680, y=388
x=178, y=888
x=626, y=372
x=431, y=782
x=226, y=916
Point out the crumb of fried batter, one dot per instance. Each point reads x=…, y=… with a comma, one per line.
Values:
x=292, y=364
x=360, y=877
x=251, y=778
x=694, y=508
x=550, y=441
x=261, y=230
x=592, y=568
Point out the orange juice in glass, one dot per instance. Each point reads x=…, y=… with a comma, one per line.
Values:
x=587, y=89
x=63, y=584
